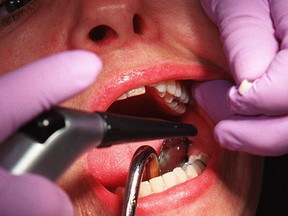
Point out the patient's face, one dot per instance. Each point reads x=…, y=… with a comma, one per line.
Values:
x=162, y=47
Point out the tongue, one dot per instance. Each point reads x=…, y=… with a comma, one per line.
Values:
x=110, y=165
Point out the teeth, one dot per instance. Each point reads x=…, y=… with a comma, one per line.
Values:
x=180, y=174
x=169, y=180
x=145, y=189
x=184, y=98
x=178, y=90
x=173, y=92
x=175, y=95
x=191, y=172
x=171, y=87
x=193, y=168
x=122, y=97
x=157, y=184
x=168, y=98
x=174, y=89
x=198, y=166
x=204, y=158
x=161, y=87
x=134, y=92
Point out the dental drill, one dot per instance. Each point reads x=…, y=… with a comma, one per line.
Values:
x=48, y=144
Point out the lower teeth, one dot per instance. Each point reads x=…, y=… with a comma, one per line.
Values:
x=191, y=169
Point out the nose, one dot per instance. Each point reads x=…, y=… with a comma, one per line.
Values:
x=109, y=24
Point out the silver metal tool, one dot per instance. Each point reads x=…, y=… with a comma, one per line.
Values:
x=52, y=141
x=145, y=156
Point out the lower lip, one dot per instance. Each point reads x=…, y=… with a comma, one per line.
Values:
x=175, y=197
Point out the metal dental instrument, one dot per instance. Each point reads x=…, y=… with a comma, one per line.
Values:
x=52, y=141
x=176, y=148
x=144, y=156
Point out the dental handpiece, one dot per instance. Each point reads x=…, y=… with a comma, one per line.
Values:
x=48, y=144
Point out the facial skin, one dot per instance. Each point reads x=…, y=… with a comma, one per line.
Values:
x=142, y=43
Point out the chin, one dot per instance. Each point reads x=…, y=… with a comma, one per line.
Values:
x=213, y=181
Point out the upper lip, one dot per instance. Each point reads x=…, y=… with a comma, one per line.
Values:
x=147, y=76
x=121, y=82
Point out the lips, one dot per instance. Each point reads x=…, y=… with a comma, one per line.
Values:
x=109, y=167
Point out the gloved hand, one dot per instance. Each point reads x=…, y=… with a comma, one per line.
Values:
x=260, y=135
x=24, y=93
x=255, y=38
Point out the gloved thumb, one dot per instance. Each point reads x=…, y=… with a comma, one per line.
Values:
x=38, y=86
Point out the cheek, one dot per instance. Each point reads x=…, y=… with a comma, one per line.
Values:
x=33, y=39
x=27, y=48
x=195, y=31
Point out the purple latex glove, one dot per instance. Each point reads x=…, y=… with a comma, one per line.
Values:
x=25, y=93
x=255, y=38
x=260, y=135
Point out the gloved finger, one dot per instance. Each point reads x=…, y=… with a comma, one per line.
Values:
x=36, y=87
x=268, y=94
x=31, y=195
x=259, y=135
x=212, y=96
x=279, y=15
x=248, y=35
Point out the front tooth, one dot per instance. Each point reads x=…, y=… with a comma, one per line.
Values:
x=122, y=97
x=171, y=86
x=145, y=189
x=161, y=87
x=169, y=180
x=191, y=172
x=180, y=174
x=135, y=92
x=178, y=91
x=157, y=184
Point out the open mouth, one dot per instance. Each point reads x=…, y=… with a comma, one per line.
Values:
x=168, y=99
x=179, y=160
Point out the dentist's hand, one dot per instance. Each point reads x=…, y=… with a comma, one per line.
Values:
x=25, y=93
x=260, y=135
x=255, y=38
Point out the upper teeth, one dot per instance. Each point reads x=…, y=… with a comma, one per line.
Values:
x=173, y=92
x=134, y=92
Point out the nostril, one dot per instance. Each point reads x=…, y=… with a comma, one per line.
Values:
x=102, y=33
x=105, y=34
x=138, y=24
